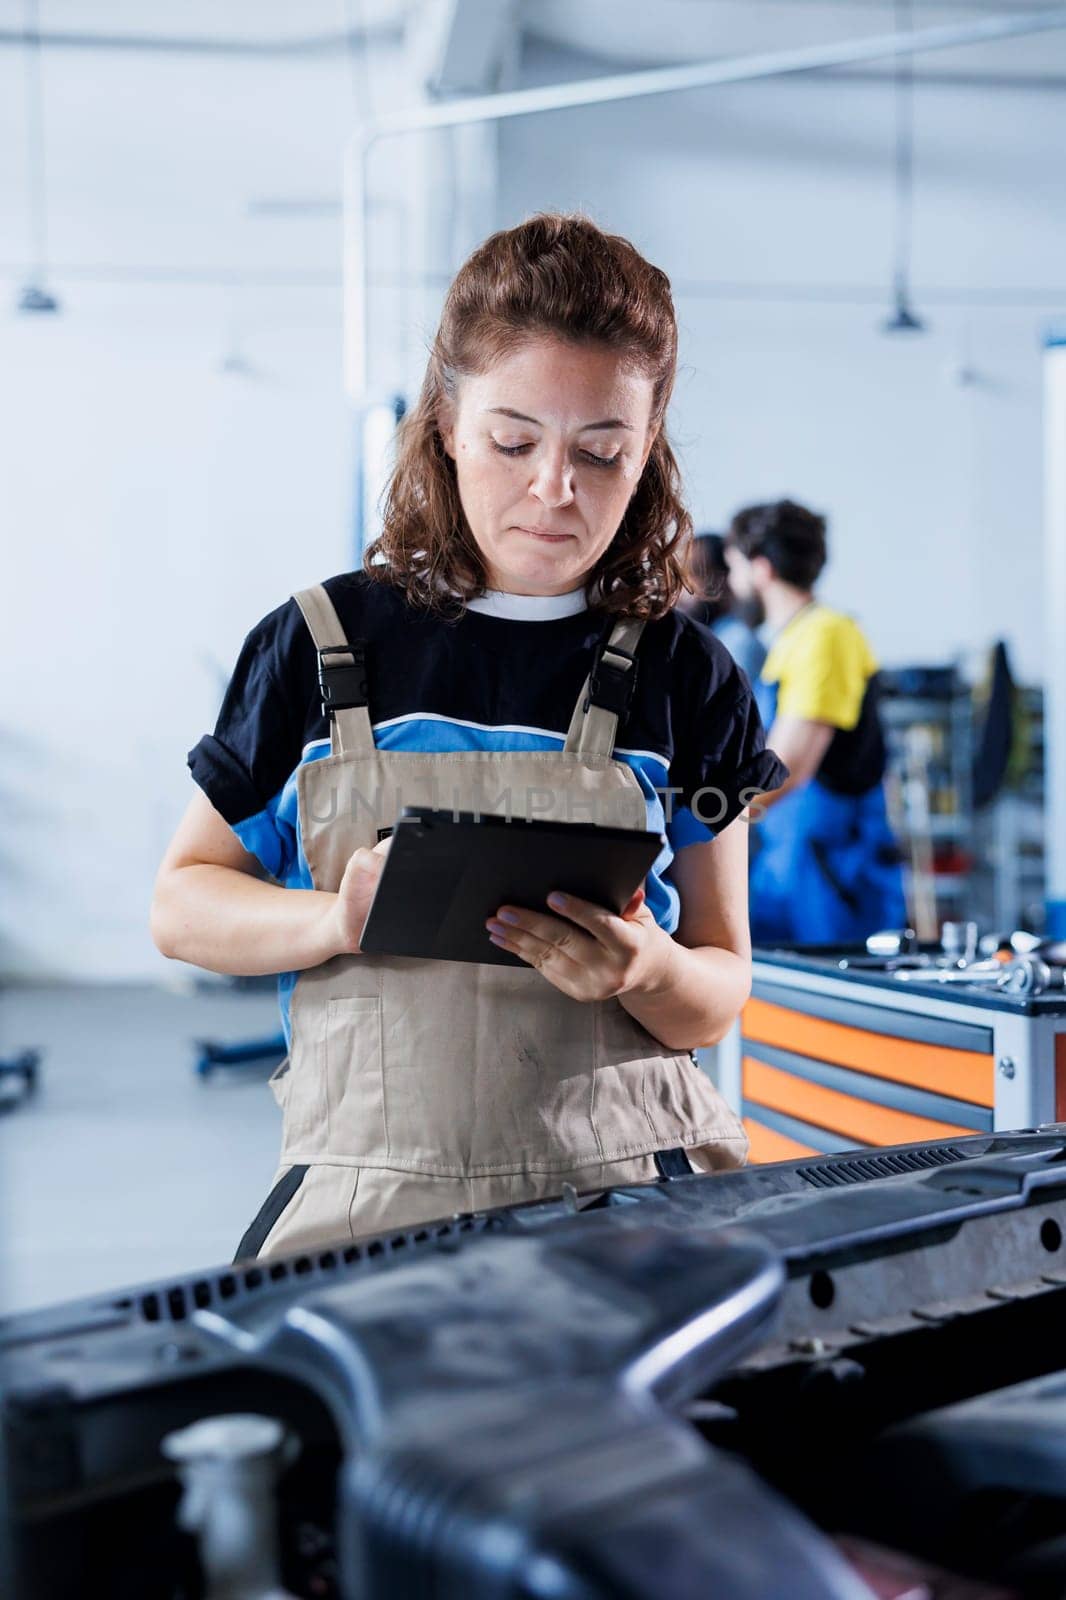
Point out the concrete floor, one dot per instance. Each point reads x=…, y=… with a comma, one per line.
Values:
x=126, y=1166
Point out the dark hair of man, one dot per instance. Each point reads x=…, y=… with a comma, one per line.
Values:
x=707, y=575
x=790, y=537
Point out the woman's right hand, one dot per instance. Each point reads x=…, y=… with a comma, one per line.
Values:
x=213, y=907
x=355, y=893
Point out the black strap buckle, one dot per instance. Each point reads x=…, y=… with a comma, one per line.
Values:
x=342, y=684
x=611, y=687
x=670, y=1164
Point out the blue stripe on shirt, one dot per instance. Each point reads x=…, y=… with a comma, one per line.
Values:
x=273, y=834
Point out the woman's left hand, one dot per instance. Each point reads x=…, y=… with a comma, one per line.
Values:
x=584, y=950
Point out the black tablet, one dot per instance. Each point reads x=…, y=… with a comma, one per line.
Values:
x=447, y=872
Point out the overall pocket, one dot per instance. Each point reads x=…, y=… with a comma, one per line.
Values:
x=280, y=1082
x=355, y=1079
x=645, y=1096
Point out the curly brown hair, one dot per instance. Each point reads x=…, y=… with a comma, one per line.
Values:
x=564, y=277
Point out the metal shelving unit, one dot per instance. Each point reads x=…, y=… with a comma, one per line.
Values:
x=1009, y=888
x=986, y=865
x=928, y=718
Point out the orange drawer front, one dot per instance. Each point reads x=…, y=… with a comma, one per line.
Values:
x=766, y=1145
x=959, y=1074
x=843, y=1114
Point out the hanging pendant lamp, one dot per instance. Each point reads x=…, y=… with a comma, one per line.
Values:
x=904, y=319
x=35, y=297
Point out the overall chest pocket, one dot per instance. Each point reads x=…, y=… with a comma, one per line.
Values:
x=355, y=1082
x=280, y=1082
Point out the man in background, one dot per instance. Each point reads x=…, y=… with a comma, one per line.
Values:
x=826, y=867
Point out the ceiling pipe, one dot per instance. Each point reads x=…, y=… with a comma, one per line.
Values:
x=602, y=91
x=333, y=44
x=319, y=44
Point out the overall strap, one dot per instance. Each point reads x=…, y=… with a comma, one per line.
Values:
x=607, y=692
x=341, y=674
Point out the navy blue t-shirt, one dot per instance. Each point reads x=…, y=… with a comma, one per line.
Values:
x=505, y=676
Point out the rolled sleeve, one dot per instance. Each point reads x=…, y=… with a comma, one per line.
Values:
x=723, y=763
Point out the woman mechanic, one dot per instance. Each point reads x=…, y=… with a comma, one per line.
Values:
x=512, y=630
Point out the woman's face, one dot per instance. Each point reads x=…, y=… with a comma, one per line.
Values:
x=549, y=445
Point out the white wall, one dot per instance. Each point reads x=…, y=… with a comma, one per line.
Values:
x=154, y=506
x=766, y=203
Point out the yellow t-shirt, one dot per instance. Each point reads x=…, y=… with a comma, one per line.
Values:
x=821, y=663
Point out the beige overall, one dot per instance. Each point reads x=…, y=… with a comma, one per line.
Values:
x=415, y=1089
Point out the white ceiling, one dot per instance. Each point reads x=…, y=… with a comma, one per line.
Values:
x=685, y=30
x=618, y=32
x=250, y=21
x=164, y=159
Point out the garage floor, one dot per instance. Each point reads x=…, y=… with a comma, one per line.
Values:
x=126, y=1166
